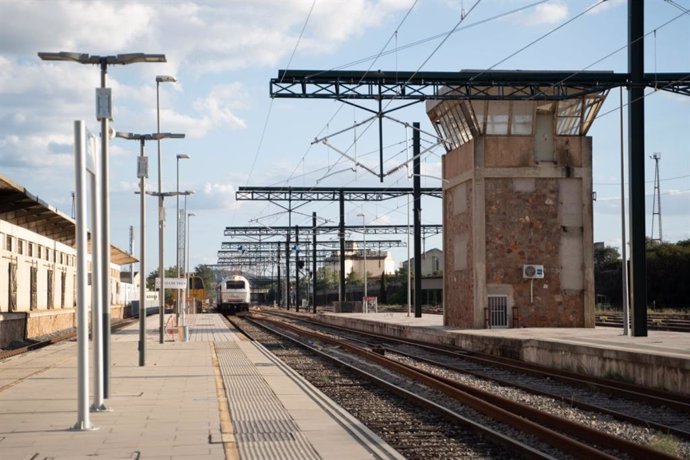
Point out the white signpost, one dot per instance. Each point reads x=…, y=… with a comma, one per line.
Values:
x=172, y=283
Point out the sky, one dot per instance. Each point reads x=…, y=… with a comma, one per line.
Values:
x=223, y=55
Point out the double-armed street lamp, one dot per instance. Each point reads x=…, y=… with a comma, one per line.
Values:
x=187, y=275
x=142, y=174
x=104, y=115
x=161, y=218
x=180, y=254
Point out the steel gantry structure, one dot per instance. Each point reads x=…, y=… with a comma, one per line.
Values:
x=341, y=194
x=412, y=87
x=228, y=257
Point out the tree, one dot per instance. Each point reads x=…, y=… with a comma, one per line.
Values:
x=170, y=272
x=383, y=292
x=606, y=257
x=208, y=277
x=326, y=279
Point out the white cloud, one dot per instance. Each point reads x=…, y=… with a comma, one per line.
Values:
x=220, y=196
x=552, y=12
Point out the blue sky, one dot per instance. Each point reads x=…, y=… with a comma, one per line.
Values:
x=223, y=54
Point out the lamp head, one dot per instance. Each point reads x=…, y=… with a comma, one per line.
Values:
x=165, y=79
x=183, y=156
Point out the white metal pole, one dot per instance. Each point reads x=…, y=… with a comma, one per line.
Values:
x=161, y=269
x=83, y=421
x=187, y=250
x=142, y=172
x=105, y=242
x=97, y=277
x=177, y=232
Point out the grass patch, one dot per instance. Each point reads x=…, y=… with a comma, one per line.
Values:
x=665, y=443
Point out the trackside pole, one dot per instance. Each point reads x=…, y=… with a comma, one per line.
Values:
x=83, y=422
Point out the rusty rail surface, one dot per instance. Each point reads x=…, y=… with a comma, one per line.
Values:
x=519, y=416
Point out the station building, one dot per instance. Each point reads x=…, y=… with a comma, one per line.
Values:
x=38, y=267
x=517, y=210
x=377, y=262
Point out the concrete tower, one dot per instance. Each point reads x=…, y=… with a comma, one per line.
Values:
x=517, y=210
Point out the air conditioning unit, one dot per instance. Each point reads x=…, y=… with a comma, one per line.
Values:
x=531, y=271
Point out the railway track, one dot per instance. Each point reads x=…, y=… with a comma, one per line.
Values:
x=675, y=323
x=56, y=338
x=575, y=438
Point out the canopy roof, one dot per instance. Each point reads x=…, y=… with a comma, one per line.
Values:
x=23, y=209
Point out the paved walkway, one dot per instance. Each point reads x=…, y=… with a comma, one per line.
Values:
x=215, y=396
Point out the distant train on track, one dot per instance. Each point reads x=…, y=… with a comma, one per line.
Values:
x=233, y=295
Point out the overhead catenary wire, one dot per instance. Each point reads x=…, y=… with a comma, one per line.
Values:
x=270, y=106
x=337, y=111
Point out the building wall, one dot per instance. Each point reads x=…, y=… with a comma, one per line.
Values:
x=504, y=209
x=354, y=263
x=458, y=245
x=432, y=262
x=27, y=250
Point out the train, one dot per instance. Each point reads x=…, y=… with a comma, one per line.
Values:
x=233, y=295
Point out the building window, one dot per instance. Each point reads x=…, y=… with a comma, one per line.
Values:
x=12, y=286
x=20, y=246
x=63, y=286
x=49, y=301
x=9, y=243
x=31, y=249
x=39, y=251
x=33, y=291
x=48, y=254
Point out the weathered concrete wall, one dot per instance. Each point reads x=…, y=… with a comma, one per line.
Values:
x=12, y=327
x=523, y=227
x=49, y=321
x=502, y=210
x=458, y=271
x=648, y=370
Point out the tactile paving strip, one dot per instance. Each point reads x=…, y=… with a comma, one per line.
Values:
x=263, y=428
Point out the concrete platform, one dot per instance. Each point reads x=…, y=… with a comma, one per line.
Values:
x=215, y=396
x=660, y=360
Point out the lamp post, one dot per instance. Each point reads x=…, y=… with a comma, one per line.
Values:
x=191, y=214
x=104, y=114
x=142, y=174
x=364, y=238
x=161, y=218
x=180, y=156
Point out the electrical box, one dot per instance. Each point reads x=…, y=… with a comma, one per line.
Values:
x=142, y=167
x=104, y=104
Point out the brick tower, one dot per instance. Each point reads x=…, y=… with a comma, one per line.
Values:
x=517, y=210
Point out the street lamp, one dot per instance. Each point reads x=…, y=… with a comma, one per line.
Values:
x=142, y=174
x=364, y=238
x=104, y=114
x=180, y=156
x=161, y=218
x=187, y=275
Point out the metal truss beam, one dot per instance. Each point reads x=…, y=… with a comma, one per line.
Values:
x=230, y=254
x=467, y=84
x=427, y=230
x=271, y=245
x=328, y=194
